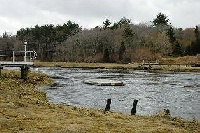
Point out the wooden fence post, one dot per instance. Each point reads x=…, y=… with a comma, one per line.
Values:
x=133, y=110
x=107, y=105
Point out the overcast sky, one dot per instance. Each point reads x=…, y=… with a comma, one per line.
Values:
x=17, y=14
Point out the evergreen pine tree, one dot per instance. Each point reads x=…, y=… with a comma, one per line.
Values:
x=160, y=20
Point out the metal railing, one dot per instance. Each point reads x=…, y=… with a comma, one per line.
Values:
x=17, y=58
x=28, y=56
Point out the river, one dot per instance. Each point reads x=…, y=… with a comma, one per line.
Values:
x=178, y=92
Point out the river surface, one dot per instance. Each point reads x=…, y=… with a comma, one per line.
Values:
x=178, y=92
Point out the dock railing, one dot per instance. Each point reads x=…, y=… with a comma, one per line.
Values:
x=17, y=58
x=24, y=63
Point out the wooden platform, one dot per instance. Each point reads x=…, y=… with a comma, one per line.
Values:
x=103, y=82
x=15, y=64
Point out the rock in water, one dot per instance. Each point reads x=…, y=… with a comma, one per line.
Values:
x=103, y=82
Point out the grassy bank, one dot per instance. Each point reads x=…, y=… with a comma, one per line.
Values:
x=25, y=109
x=86, y=65
x=134, y=66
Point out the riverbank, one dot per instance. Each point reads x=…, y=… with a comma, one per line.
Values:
x=181, y=64
x=26, y=109
x=134, y=66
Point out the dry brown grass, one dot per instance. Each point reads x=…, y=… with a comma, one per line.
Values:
x=86, y=65
x=24, y=109
x=180, y=64
x=185, y=60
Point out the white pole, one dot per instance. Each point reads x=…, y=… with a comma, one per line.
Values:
x=25, y=51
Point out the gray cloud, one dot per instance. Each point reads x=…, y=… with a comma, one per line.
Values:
x=15, y=14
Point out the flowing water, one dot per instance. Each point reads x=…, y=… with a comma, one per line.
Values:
x=178, y=92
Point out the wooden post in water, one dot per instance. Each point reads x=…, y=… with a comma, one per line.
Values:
x=1, y=67
x=107, y=105
x=24, y=72
x=133, y=110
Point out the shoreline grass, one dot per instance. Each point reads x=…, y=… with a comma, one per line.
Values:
x=133, y=66
x=23, y=108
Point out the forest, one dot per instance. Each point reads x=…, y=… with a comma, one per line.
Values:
x=119, y=42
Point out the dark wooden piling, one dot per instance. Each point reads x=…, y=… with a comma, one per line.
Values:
x=1, y=67
x=166, y=112
x=108, y=105
x=24, y=72
x=133, y=110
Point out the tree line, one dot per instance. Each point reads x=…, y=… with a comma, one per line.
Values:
x=120, y=41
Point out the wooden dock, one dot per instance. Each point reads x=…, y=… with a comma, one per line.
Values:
x=23, y=65
x=15, y=64
x=28, y=61
x=27, y=56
